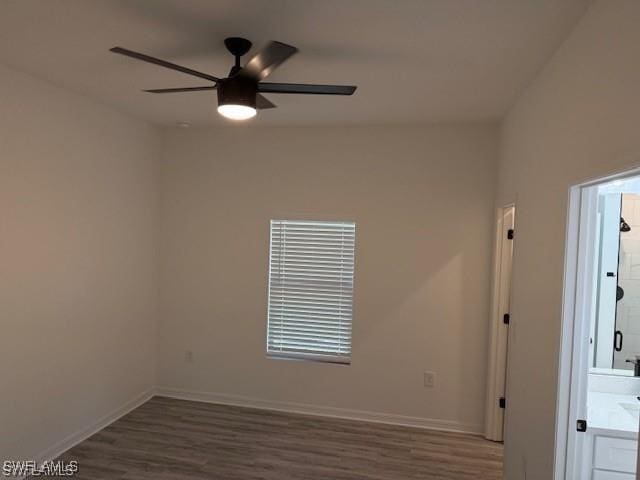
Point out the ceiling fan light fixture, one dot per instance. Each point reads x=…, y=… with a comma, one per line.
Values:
x=237, y=98
x=236, y=112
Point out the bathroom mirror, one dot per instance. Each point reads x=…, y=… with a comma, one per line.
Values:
x=615, y=330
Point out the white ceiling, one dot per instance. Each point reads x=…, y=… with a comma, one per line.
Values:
x=413, y=60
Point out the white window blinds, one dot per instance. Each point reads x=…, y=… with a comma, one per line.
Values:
x=311, y=289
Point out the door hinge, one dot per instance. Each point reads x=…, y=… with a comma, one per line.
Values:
x=510, y=233
x=506, y=318
x=581, y=426
x=502, y=402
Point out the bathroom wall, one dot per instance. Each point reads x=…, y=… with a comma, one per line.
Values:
x=628, y=309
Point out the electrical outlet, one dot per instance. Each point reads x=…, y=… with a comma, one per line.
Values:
x=429, y=379
x=188, y=356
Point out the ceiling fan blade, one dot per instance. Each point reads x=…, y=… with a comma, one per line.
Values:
x=306, y=88
x=177, y=90
x=267, y=60
x=162, y=63
x=263, y=103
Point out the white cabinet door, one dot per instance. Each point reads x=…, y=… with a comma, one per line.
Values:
x=605, y=475
x=617, y=454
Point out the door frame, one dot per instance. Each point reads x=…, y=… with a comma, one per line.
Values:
x=577, y=308
x=499, y=331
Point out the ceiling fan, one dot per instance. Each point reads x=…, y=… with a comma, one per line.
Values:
x=240, y=93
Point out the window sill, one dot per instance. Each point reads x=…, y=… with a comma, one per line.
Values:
x=309, y=357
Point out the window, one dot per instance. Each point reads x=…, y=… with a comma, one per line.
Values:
x=311, y=290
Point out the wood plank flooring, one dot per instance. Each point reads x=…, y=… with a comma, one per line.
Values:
x=168, y=439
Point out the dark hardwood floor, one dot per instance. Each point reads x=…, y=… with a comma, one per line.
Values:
x=167, y=439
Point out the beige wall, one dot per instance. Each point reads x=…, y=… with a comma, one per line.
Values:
x=578, y=120
x=77, y=277
x=422, y=199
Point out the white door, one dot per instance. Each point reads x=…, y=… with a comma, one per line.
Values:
x=497, y=369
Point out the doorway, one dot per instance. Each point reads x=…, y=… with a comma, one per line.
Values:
x=500, y=319
x=598, y=389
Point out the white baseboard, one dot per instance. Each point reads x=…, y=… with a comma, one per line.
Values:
x=72, y=440
x=306, y=409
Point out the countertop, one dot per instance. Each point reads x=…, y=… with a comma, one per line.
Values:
x=606, y=414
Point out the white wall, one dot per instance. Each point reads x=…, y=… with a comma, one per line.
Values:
x=579, y=119
x=422, y=198
x=78, y=218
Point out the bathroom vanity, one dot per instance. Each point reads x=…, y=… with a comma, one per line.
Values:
x=611, y=440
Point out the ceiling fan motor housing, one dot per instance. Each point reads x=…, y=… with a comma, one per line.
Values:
x=237, y=91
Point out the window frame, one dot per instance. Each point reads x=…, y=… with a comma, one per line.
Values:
x=309, y=356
